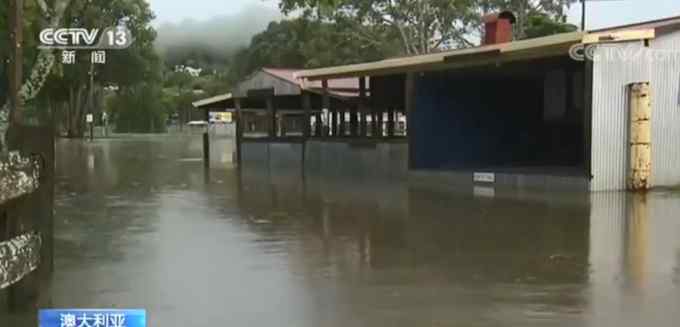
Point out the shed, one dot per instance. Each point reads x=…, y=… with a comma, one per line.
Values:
x=535, y=113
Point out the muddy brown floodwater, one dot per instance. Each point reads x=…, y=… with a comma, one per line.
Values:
x=141, y=224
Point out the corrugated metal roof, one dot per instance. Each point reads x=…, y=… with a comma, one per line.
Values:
x=446, y=59
x=335, y=85
x=282, y=73
x=339, y=88
x=215, y=99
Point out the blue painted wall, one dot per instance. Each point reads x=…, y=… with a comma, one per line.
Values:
x=461, y=122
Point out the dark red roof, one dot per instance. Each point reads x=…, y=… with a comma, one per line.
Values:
x=341, y=86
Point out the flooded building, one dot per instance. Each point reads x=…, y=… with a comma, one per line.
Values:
x=313, y=126
x=575, y=111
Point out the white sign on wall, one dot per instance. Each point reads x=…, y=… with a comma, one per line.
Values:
x=484, y=177
x=89, y=118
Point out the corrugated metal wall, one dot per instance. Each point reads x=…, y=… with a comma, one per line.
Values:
x=614, y=69
x=666, y=110
x=618, y=66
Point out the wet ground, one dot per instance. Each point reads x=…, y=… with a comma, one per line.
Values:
x=141, y=224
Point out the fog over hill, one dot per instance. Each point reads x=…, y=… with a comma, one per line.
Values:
x=216, y=38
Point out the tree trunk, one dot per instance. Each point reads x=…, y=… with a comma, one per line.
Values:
x=76, y=115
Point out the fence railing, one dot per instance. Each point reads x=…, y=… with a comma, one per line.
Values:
x=19, y=254
x=19, y=257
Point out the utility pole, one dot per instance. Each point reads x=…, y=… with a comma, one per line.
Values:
x=16, y=34
x=583, y=15
x=91, y=119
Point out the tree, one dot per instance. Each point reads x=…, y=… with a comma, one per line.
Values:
x=38, y=63
x=542, y=25
x=123, y=68
x=421, y=25
x=425, y=25
x=138, y=109
x=50, y=11
x=302, y=43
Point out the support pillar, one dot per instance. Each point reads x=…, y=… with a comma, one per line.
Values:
x=390, y=122
x=640, y=137
x=409, y=105
x=306, y=120
x=206, y=140
x=239, y=130
x=318, y=127
x=374, y=123
x=353, y=122
x=363, y=123
x=271, y=111
x=342, y=130
x=283, y=128
x=326, y=107
x=334, y=122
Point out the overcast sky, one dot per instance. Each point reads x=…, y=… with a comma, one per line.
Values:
x=601, y=13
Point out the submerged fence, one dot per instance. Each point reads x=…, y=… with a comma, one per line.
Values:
x=19, y=256
x=26, y=211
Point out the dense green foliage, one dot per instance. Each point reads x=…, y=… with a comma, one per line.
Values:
x=32, y=25
x=129, y=70
x=303, y=43
x=137, y=109
x=426, y=26
x=542, y=25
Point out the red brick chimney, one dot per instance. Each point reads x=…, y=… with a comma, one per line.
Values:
x=498, y=27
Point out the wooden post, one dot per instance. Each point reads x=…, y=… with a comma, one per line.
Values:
x=318, y=127
x=374, y=123
x=638, y=240
x=390, y=121
x=334, y=122
x=640, y=137
x=362, y=107
x=326, y=105
x=342, y=131
x=271, y=111
x=353, y=121
x=409, y=105
x=206, y=140
x=283, y=129
x=239, y=130
x=307, y=107
x=16, y=38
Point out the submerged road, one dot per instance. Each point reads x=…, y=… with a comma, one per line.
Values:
x=141, y=224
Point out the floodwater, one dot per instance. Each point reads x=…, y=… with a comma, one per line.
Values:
x=141, y=224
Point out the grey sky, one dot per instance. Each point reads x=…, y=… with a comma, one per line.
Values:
x=601, y=12
x=174, y=11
